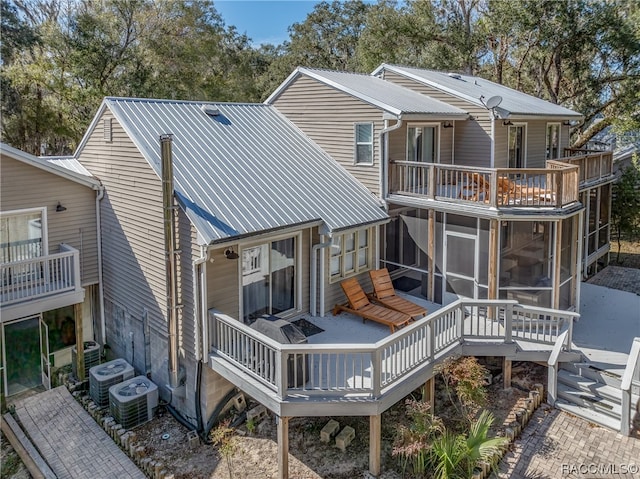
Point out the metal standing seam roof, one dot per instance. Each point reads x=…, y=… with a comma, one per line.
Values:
x=77, y=173
x=471, y=88
x=392, y=98
x=246, y=170
x=68, y=162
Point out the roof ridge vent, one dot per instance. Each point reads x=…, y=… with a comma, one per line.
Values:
x=457, y=76
x=210, y=110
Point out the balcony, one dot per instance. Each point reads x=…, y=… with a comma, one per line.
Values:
x=39, y=284
x=551, y=188
x=366, y=378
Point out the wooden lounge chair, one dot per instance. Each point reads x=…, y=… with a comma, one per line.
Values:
x=359, y=304
x=385, y=294
x=477, y=187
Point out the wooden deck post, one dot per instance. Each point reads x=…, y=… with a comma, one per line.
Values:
x=431, y=251
x=430, y=393
x=375, y=433
x=283, y=447
x=506, y=373
x=557, y=262
x=77, y=312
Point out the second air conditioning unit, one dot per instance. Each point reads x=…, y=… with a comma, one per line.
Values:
x=133, y=402
x=102, y=377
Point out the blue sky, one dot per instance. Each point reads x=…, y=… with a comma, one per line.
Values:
x=264, y=21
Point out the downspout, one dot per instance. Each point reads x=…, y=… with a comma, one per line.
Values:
x=314, y=276
x=170, y=251
x=103, y=324
x=493, y=140
x=384, y=161
x=199, y=279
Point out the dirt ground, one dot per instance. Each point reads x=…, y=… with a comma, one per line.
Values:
x=254, y=454
x=629, y=253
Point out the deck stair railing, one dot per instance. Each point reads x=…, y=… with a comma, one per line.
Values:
x=630, y=380
x=39, y=277
x=369, y=370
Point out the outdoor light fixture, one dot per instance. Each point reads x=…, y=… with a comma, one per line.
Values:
x=507, y=123
x=567, y=123
x=230, y=254
x=60, y=208
x=447, y=124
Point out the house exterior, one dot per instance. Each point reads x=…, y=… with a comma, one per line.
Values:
x=254, y=202
x=49, y=295
x=484, y=203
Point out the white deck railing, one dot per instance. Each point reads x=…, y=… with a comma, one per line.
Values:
x=368, y=370
x=39, y=277
x=630, y=378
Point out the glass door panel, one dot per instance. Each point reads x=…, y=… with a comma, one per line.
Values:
x=23, y=363
x=460, y=264
x=45, y=362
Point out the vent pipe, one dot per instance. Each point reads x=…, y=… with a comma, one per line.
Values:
x=171, y=252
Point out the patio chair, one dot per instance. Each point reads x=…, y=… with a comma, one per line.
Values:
x=359, y=305
x=385, y=294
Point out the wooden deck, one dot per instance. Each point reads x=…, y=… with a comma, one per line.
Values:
x=365, y=378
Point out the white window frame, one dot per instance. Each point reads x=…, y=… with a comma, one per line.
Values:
x=340, y=254
x=436, y=126
x=558, y=125
x=43, y=220
x=356, y=143
x=524, y=143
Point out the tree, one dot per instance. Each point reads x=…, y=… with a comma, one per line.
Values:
x=625, y=208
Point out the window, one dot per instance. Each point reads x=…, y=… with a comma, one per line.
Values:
x=517, y=146
x=422, y=143
x=21, y=235
x=350, y=254
x=269, y=278
x=553, y=141
x=364, y=143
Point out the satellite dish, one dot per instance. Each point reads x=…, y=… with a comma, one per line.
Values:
x=493, y=102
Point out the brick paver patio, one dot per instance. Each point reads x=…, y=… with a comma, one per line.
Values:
x=618, y=277
x=556, y=444
x=70, y=441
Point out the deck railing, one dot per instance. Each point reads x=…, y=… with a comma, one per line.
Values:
x=369, y=370
x=630, y=379
x=593, y=165
x=40, y=277
x=554, y=186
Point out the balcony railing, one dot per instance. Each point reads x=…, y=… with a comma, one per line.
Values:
x=40, y=277
x=594, y=166
x=371, y=370
x=555, y=186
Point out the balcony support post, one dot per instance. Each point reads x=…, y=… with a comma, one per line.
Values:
x=375, y=433
x=431, y=249
x=77, y=312
x=429, y=393
x=283, y=447
x=506, y=373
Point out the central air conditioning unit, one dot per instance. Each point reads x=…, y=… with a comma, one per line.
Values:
x=91, y=358
x=102, y=377
x=133, y=402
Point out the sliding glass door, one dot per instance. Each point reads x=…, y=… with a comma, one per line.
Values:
x=269, y=278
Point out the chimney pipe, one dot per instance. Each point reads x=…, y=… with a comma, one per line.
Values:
x=170, y=251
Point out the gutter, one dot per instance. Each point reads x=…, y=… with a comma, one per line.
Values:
x=314, y=275
x=384, y=159
x=103, y=324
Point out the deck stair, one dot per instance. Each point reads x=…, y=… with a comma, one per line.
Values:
x=592, y=393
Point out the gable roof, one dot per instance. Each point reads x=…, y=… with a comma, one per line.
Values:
x=84, y=178
x=477, y=90
x=393, y=99
x=68, y=162
x=246, y=169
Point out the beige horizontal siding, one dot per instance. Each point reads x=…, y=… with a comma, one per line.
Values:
x=24, y=186
x=328, y=117
x=472, y=137
x=536, y=144
x=132, y=227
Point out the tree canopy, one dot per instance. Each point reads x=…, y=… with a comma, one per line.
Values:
x=61, y=57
